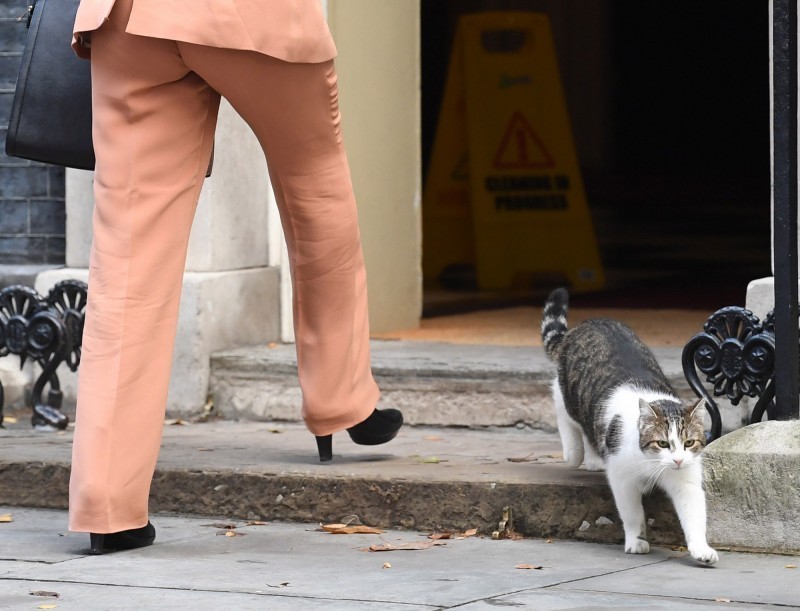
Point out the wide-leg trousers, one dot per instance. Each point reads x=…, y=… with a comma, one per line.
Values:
x=155, y=105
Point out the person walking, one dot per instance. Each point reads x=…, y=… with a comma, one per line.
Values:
x=158, y=72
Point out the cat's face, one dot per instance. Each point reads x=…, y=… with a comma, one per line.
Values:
x=671, y=433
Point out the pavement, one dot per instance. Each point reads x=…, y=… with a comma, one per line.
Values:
x=206, y=563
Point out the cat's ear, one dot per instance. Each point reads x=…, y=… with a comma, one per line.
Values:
x=697, y=410
x=646, y=410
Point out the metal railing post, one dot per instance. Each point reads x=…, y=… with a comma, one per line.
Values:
x=784, y=72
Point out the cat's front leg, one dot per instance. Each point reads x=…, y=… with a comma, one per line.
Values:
x=628, y=497
x=685, y=488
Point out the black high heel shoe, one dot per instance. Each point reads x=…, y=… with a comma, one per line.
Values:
x=124, y=539
x=381, y=426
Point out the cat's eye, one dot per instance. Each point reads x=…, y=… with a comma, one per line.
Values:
x=689, y=443
x=663, y=444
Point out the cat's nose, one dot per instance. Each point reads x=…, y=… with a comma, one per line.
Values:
x=678, y=461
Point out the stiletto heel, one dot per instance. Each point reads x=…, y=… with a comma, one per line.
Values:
x=381, y=426
x=132, y=538
x=325, y=448
x=96, y=542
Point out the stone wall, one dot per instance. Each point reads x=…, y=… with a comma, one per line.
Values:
x=32, y=217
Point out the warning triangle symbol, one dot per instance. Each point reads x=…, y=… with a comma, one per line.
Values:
x=521, y=148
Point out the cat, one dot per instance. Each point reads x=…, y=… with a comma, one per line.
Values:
x=616, y=410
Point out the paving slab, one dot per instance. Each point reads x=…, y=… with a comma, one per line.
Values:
x=193, y=565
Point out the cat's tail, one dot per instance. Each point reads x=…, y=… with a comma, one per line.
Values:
x=554, y=322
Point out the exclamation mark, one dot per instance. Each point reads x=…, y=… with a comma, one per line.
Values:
x=522, y=146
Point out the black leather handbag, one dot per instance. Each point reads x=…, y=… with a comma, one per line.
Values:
x=51, y=115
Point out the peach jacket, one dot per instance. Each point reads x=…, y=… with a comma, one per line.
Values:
x=291, y=30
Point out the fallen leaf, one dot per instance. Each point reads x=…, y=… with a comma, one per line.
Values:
x=678, y=548
x=432, y=438
x=386, y=565
x=176, y=422
x=231, y=533
x=471, y=532
x=47, y=607
x=549, y=541
x=280, y=585
x=356, y=529
x=274, y=429
x=255, y=523
x=272, y=345
x=553, y=456
x=10, y=419
x=45, y=593
x=390, y=547
x=536, y=567
x=523, y=459
x=722, y=600
x=790, y=566
x=6, y=518
x=430, y=460
x=439, y=536
x=226, y=525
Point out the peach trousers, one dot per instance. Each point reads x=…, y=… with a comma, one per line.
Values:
x=155, y=105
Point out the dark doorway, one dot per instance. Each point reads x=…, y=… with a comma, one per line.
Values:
x=670, y=110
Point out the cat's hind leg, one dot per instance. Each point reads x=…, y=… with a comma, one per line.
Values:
x=627, y=493
x=591, y=458
x=569, y=430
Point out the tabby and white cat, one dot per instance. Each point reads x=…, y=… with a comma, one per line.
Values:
x=616, y=409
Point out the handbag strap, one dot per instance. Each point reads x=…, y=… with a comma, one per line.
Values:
x=28, y=14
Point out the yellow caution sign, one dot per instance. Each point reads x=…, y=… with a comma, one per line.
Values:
x=504, y=111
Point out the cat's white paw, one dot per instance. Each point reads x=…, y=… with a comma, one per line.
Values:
x=703, y=553
x=595, y=465
x=573, y=457
x=637, y=546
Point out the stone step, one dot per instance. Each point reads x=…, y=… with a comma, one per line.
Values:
x=434, y=384
x=427, y=479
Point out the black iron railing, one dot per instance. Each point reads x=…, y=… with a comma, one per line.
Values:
x=784, y=105
x=738, y=354
x=48, y=330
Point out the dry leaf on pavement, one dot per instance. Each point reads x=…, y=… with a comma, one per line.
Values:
x=790, y=566
x=231, y=533
x=356, y=529
x=225, y=525
x=386, y=565
x=523, y=459
x=431, y=460
x=10, y=420
x=451, y=535
x=537, y=567
x=432, y=438
x=390, y=547
x=722, y=600
x=6, y=518
x=47, y=607
x=45, y=593
x=255, y=523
